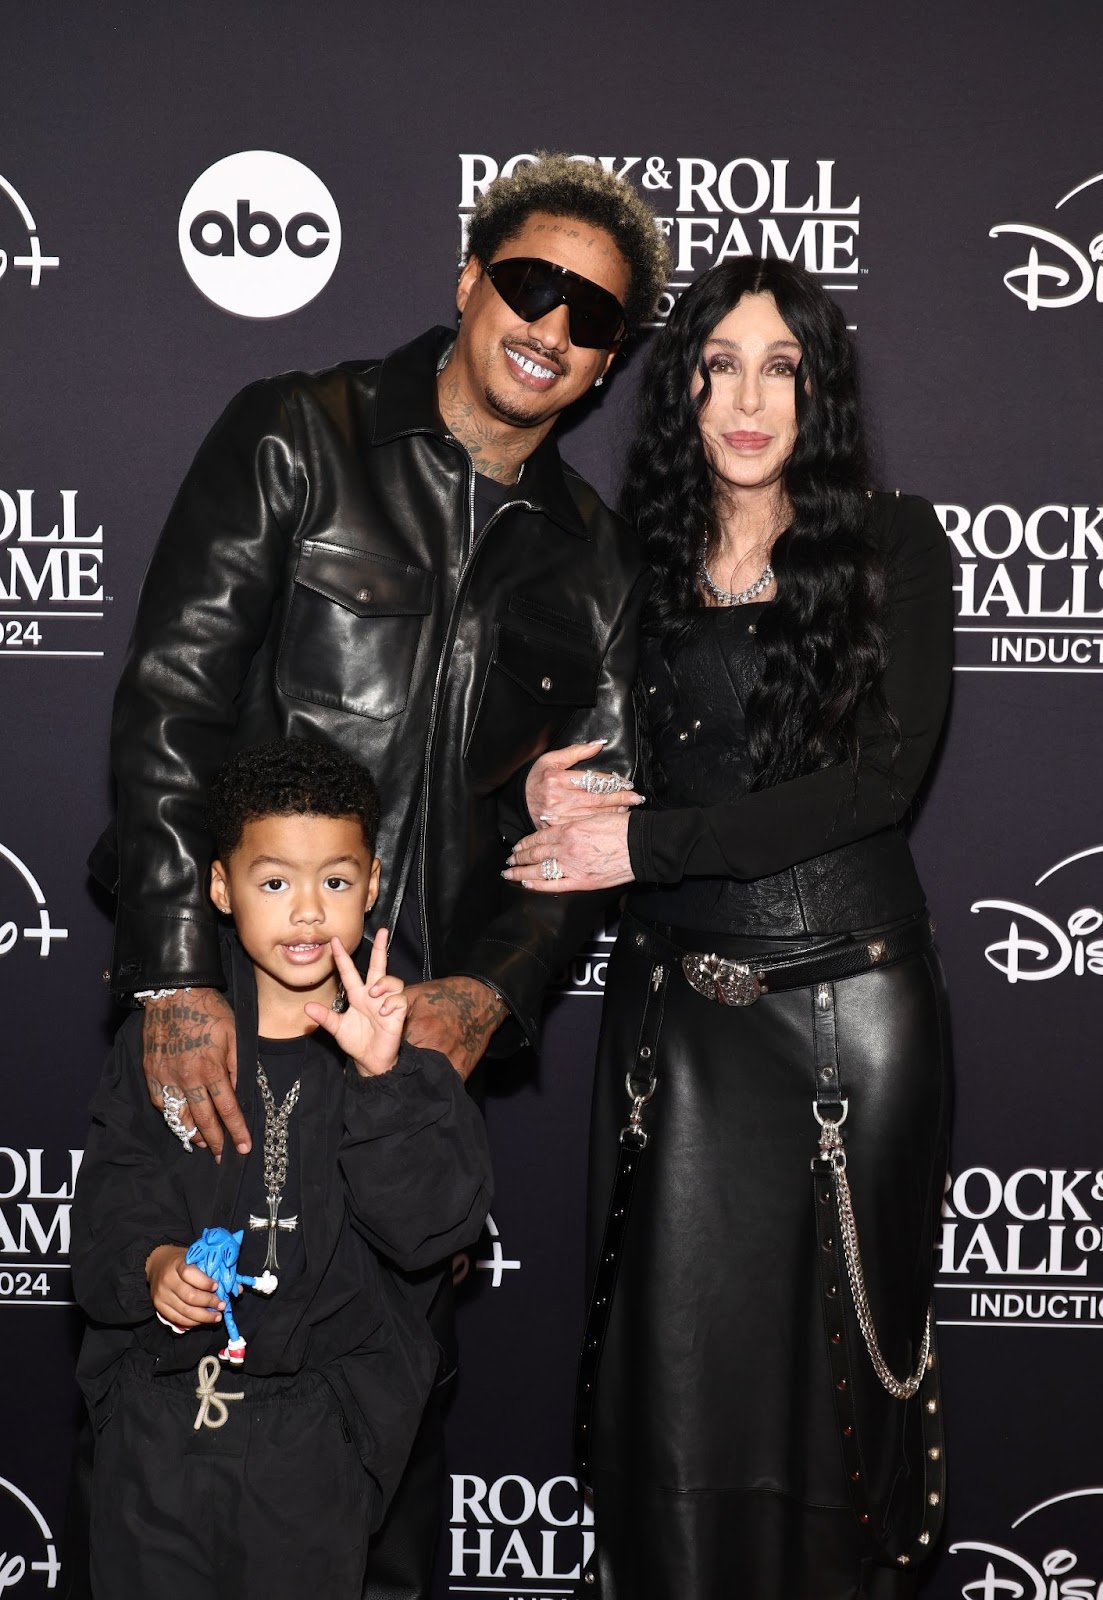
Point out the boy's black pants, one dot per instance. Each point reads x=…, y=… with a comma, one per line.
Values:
x=275, y=1505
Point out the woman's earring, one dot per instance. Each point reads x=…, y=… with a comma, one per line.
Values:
x=599, y=381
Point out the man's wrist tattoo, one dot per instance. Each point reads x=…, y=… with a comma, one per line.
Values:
x=474, y=1016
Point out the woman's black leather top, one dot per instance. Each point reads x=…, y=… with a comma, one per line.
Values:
x=821, y=854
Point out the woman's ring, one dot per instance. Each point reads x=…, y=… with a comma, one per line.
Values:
x=600, y=782
x=550, y=868
x=173, y=1104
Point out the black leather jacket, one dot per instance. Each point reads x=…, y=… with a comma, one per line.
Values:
x=317, y=576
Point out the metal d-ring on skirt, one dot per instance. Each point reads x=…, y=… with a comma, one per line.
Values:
x=717, y=1464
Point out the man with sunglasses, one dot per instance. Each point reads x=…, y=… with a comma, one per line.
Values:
x=392, y=555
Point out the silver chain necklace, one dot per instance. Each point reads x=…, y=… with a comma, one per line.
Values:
x=741, y=597
x=275, y=1163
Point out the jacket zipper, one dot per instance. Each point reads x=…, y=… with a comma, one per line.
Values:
x=471, y=547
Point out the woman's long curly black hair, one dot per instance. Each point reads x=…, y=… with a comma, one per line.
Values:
x=822, y=641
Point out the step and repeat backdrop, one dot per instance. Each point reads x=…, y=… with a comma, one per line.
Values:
x=191, y=198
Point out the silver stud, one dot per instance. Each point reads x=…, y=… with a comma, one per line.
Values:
x=876, y=949
x=924, y=1537
x=932, y=1407
x=589, y=1578
x=640, y=940
x=752, y=627
x=903, y=1561
x=652, y=688
x=545, y=684
x=682, y=737
x=645, y=1053
x=933, y=1498
x=696, y=725
x=934, y=1453
x=363, y=595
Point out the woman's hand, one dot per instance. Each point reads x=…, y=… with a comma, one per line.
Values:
x=553, y=792
x=586, y=853
x=370, y=1031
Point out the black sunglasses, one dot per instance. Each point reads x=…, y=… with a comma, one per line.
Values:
x=532, y=288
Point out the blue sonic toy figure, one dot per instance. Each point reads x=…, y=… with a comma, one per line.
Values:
x=215, y=1252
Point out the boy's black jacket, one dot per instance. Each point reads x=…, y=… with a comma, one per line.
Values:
x=395, y=1177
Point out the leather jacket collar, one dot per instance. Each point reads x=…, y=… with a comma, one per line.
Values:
x=407, y=404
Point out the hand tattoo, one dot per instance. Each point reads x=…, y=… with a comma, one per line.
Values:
x=474, y=1016
x=178, y=1043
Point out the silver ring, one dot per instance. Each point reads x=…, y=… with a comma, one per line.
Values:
x=600, y=782
x=550, y=868
x=173, y=1104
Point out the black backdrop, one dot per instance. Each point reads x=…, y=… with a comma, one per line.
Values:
x=942, y=167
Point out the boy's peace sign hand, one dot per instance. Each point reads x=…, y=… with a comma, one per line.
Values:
x=370, y=1031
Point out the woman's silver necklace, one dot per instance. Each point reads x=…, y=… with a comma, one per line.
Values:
x=741, y=597
x=275, y=1163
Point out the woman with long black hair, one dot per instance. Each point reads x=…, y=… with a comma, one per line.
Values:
x=759, y=1409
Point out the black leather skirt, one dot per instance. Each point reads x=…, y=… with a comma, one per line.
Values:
x=718, y=1468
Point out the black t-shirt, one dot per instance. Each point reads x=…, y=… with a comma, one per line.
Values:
x=284, y=1061
x=406, y=957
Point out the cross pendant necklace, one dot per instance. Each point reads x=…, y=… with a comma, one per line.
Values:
x=273, y=1222
x=275, y=1164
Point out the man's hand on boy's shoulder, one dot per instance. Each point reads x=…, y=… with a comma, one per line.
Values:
x=457, y=1016
x=189, y=1050
x=369, y=1030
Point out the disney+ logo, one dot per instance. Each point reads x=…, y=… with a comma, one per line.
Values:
x=1036, y=946
x=1021, y=1574
x=1067, y=275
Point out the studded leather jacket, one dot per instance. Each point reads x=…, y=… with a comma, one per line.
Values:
x=318, y=576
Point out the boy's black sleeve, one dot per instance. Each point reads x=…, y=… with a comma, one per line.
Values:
x=415, y=1160
x=127, y=1201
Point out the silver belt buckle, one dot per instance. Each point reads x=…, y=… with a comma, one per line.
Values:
x=729, y=982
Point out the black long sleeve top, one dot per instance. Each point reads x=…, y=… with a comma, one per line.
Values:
x=393, y=1176
x=707, y=832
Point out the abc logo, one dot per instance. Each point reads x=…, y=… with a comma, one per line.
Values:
x=259, y=234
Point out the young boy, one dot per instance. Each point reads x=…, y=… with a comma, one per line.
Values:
x=250, y=1450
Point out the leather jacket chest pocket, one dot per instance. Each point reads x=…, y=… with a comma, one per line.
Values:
x=352, y=629
x=532, y=687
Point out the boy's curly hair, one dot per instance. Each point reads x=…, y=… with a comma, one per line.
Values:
x=289, y=778
x=565, y=187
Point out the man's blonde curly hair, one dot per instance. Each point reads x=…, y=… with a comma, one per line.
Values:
x=565, y=187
